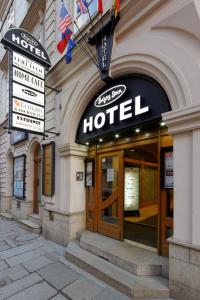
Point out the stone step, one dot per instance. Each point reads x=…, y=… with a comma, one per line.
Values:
x=136, y=287
x=35, y=218
x=6, y=216
x=136, y=260
x=31, y=226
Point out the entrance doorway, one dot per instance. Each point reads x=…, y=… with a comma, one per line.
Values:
x=141, y=194
x=37, y=180
x=128, y=200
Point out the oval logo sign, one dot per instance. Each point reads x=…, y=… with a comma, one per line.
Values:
x=29, y=39
x=110, y=96
x=29, y=93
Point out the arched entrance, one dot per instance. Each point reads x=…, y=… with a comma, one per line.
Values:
x=132, y=195
x=37, y=179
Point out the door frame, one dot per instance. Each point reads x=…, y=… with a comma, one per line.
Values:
x=37, y=160
x=164, y=140
x=111, y=230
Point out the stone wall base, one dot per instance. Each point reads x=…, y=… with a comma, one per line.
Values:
x=61, y=227
x=184, y=271
x=21, y=208
x=6, y=203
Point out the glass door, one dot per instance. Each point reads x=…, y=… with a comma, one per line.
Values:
x=110, y=195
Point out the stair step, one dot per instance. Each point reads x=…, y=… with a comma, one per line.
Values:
x=7, y=216
x=129, y=284
x=31, y=226
x=133, y=259
x=35, y=218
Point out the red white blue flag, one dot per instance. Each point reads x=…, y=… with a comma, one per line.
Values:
x=82, y=6
x=64, y=40
x=65, y=19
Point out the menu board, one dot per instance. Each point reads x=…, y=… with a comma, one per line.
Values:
x=168, y=170
x=131, y=188
x=48, y=169
x=89, y=171
x=19, y=177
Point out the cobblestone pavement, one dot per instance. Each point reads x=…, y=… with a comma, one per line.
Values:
x=32, y=268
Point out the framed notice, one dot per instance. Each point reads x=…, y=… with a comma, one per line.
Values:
x=89, y=172
x=167, y=168
x=26, y=94
x=19, y=177
x=131, y=188
x=48, y=186
x=18, y=136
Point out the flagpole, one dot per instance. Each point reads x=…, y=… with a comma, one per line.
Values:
x=86, y=52
x=96, y=63
x=92, y=58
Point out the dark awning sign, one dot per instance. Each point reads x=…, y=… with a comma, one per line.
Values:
x=27, y=63
x=121, y=106
x=23, y=42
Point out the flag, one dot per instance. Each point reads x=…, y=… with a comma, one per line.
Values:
x=100, y=6
x=117, y=5
x=65, y=19
x=70, y=46
x=82, y=6
x=65, y=39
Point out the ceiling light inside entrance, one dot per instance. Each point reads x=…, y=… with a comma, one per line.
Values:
x=137, y=130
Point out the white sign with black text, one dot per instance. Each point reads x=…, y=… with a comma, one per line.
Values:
x=28, y=80
x=26, y=123
x=28, y=94
x=28, y=65
x=28, y=109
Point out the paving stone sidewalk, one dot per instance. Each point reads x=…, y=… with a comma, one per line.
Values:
x=32, y=268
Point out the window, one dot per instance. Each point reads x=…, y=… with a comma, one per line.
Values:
x=83, y=19
x=48, y=185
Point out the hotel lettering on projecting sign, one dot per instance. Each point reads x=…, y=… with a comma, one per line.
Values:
x=27, y=63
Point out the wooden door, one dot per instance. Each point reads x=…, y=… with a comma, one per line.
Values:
x=37, y=180
x=110, y=194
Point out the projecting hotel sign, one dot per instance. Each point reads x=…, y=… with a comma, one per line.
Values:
x=120, y=106
x=27, y=63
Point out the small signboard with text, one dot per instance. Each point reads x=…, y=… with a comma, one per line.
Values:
x=27, y=63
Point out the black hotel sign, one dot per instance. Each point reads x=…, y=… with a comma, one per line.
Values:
x=121, y=106
x=27, y=63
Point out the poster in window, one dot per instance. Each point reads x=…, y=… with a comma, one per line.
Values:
x=168, y=170
x=49, y=169
x=19, y=177
x=89, y=172
x=17, y=136
x=131, y=188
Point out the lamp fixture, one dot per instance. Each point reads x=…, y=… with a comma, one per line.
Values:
x=137, y=130
x=100, y=140
x=162, y=124
x=117, y=136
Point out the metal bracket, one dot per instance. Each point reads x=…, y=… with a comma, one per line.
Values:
x=56, y=133
x=7, y=128
x=53, y=89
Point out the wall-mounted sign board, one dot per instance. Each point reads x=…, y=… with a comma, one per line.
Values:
x=19, y=177
x=27, y=63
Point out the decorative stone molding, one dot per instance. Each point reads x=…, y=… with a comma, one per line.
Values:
x=73, y=150
x=184, y=119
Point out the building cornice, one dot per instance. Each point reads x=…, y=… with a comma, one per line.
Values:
x=73, y=150
x=184, y=119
